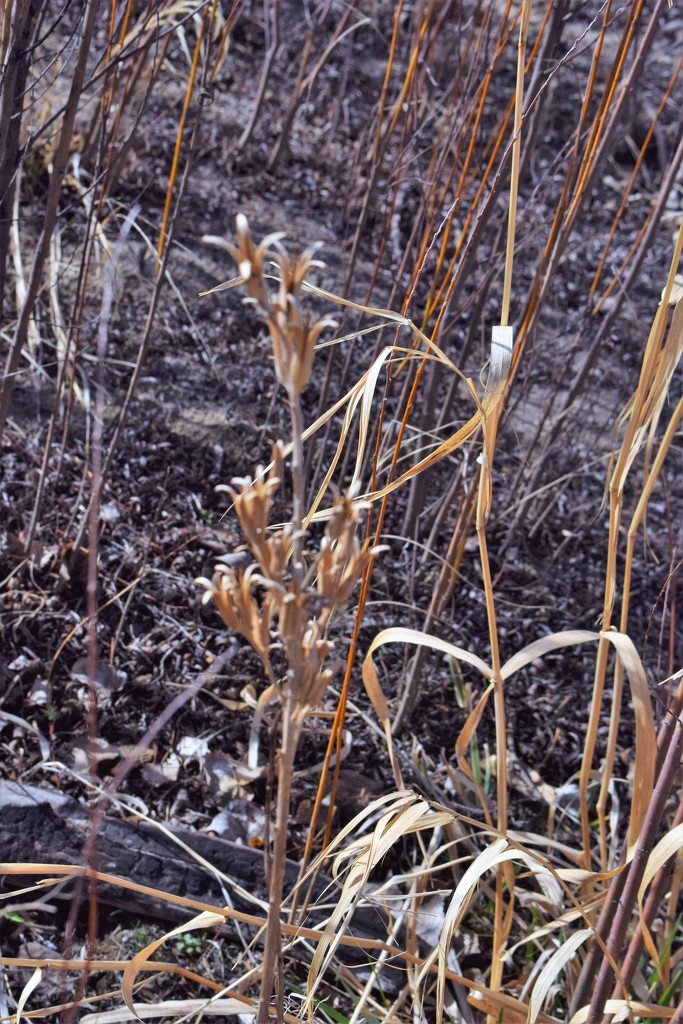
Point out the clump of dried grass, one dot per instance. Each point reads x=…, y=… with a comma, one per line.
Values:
x=614, y=891
x=594, y=904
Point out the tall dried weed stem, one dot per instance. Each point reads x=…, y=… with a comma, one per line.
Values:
x=293, y=586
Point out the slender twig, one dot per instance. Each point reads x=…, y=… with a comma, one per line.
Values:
x=629, y=896
x=271, y=19
x=60, y=162
x=91, y=585
x=164, y=246
x=15, y=57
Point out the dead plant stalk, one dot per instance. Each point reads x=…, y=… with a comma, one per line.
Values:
x=291, y=588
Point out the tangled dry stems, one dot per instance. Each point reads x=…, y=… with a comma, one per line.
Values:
x=289, y=592
x=286, y=598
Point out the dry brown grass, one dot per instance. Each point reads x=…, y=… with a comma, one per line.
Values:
x=576, y=923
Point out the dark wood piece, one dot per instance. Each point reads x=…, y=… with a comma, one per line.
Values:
x=44, y=826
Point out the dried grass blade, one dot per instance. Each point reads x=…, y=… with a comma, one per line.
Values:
x=492, y=856
x=203, y=920
x=645, y=727
x=171, y=1008
x=501, y=358
x=560, y=958
x=623, y=1010
x=561, y=922
x=408, y=814
x=646, y=739
x=666, y=848
x=662, y=852
x=362, y=393
x=470, y=727
x=536, y=649
x=28, y=988
x=399, y=634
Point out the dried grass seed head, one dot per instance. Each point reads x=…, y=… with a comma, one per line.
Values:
x=232, y=592
x=315, y=679
x=342, y=559
x=253, y=502
x=293, y=333
x=250, y=259
x=306, y=653
x=293, y=620
x=338, y=576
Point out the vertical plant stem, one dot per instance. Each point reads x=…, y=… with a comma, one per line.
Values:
x=501, y=729
x=514, y=173
x=637, y=519
x=61, y=159
x=271, y=19
x=500, y=927
x=272, y=960
x=636, y=871
x=611, y=903
x=165, y=234
x=654, y=899
x=15, y=57
x=180, y=134
x=298, y=496
x=92, y=653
